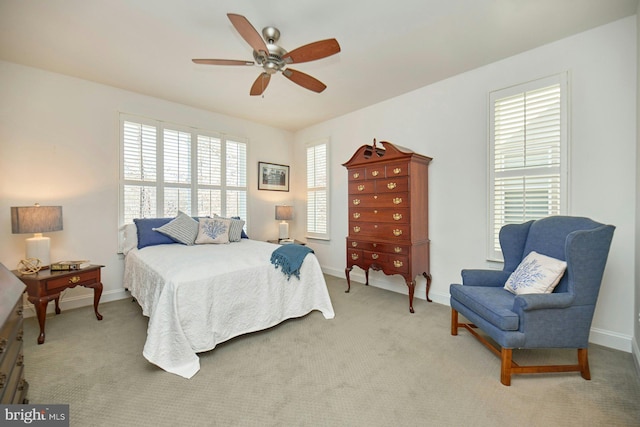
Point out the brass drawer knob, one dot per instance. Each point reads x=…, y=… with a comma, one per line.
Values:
x=397, y=263
x=374, y=256
x=354, y=256
x=360, y=187
x=397, y=200
x=354, y=244
x=397, y=216
x=375, y=173
x=356, y=202
x=397, y=170
x=356, y=229
x=391, y=185
x=74, y=280
x=356, y=175
x=397, y=249
x=356, y=215
x=397, y=232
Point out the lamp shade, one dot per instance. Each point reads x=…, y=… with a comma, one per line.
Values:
x=36, y=219
x=284, y=213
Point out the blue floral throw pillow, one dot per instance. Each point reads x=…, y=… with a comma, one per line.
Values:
x=213, y=230
x=536, y=274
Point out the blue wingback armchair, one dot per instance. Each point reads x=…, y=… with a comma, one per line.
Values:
x=561, y=319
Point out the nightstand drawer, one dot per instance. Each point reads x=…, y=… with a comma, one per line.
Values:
x=80, y=278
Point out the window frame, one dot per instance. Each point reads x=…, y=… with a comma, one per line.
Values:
x=494, y=252
x=161, y=185
x=314, y=234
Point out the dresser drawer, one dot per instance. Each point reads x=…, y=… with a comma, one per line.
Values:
x=399, y=215
x=80, y=278
x=392, y=185
x=367, y=245
x=360, y=187
x=397, y=169
x=399, y=200
x=358, y=174
x=381, y=231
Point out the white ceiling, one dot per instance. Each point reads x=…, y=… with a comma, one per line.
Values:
x=388, y=47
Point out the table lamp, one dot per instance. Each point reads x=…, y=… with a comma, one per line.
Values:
x=284, y=213
x=37, y=219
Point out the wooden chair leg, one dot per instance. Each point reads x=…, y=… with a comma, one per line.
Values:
x=454, y=322
x=505, y=367
x=583, y=362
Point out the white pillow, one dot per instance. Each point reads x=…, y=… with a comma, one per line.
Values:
x=536, y=274
x=213, y=230
x=130, y=237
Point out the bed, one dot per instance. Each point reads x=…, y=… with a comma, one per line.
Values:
x=198, y=296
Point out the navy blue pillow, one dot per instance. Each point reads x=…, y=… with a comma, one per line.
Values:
x=147, y=236
x=243, y=235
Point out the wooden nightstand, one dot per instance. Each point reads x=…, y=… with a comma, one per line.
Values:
x=46, y=285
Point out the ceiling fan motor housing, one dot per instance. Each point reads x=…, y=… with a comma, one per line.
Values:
x=273, y=62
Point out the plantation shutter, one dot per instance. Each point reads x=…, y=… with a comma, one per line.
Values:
x=528, y=145
x=317, y=191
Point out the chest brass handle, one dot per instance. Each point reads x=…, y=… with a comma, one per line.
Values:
x=375, y=173
x=397, y=170
x=397, y=216
x=356, y=202
x=391, y=185
x=397, y=264
x=397, y=200
x=74, y=279
x=374, y=256
x=360, y=187
x=356, y=215
x=356, y=175
x=397, y=232
x=354, y=244
x=397, y=249
x=356, y=229
x=354, y=256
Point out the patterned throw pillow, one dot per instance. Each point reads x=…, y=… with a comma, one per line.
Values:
x=536, y=274
x=235, y=229
x=213, y=230
x=183, y=229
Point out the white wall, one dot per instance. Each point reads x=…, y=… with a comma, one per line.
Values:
x=448, y=121
x=59, y=145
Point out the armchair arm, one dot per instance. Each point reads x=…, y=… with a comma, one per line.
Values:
x=494, y=278
x=530, y=302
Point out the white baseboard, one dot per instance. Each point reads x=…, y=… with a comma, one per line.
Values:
x=598, y=336
x=71, y=302
x=635, y=351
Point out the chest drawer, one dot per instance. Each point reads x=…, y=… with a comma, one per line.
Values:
x=80, y=278
x=400, y=200
x=399, y=215
x=382, y=231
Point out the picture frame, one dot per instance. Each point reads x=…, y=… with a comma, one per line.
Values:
x=273, y=177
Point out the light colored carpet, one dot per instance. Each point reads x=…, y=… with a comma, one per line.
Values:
x=375, y=364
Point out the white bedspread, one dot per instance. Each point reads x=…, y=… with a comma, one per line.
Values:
x=199, y=296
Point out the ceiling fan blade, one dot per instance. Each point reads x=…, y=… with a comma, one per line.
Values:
x=304, y=80
x=260, y=84
x=222, y=62
x=248, y=32
x=312, y=51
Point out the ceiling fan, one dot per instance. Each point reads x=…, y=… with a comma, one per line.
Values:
x=272, y=58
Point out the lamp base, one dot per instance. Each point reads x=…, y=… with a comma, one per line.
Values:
x=38, y=247
x=284, y=230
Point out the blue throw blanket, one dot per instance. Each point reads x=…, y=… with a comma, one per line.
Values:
x=289, y=258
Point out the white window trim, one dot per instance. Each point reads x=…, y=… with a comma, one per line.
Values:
x=313, y=235
x=563, y=80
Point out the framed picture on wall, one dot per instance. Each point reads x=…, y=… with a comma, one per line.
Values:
x=273, y=177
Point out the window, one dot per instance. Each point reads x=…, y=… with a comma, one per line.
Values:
x=317, y=190
x=528, y=154
x=165, y=168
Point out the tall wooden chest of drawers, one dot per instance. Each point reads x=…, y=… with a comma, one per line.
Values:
x=388, y=213
x=13, y=387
